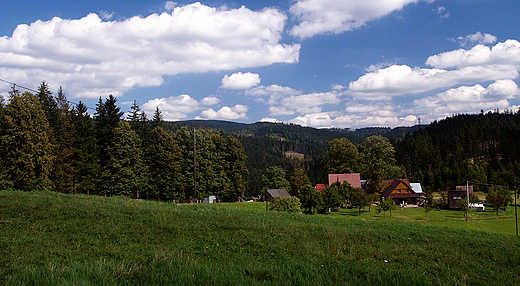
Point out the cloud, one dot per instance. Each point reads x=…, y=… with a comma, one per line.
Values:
x=210, y=100
x=106, y=15
x=478, y=38
x=506, y=53
x=310, y=103
x=269, y=119
x=401, y=79
x=226, y=113
x=465, y=99
x=175, y=108
x=288, y=101
x=170, y=5
x=240, y=81
x=478, y=64
x=442, y=12
x=90, y=57
x=332, y=16
x=274, y=92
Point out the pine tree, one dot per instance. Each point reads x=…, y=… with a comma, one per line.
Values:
x=157, y=120
x=165, y=171
x=124, y=173
x=25, y=149
x=106, y=119
x=85, y=157
x=64, y=171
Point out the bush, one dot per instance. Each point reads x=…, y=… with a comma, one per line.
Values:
x=285, y=204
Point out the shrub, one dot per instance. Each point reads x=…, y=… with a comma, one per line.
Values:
x=285, y=204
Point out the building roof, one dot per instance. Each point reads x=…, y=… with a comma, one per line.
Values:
x=463, y=189
x=388, y=192
x=320, y=188
x=417, y=188
x=278, y=193
x=354, y=179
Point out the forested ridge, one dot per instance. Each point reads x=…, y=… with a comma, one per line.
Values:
x=481, y=148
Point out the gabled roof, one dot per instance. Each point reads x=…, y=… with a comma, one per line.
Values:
x=388, y=192
x=278, y=193
x=354, y=179
x=417, y=188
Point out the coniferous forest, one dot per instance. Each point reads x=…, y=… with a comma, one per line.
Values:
x=47, y=144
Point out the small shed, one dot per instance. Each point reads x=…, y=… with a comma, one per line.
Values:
x=276, y=193
x=459, y=194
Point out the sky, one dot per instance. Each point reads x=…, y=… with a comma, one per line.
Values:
x=319, y=63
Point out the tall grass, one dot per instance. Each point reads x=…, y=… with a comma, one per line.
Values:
x=54, y=239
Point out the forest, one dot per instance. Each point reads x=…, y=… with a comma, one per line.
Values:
x=47, y=144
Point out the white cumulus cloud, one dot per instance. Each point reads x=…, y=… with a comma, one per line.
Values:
x=401, y=79
x=226, y=113
x=240, y=81
x=333, y=16
x=468, y=99
x=175, y=108
x=478, y=38
x=506, y=53
x=90, y=57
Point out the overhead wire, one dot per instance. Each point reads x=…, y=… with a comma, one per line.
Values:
x=35, y=91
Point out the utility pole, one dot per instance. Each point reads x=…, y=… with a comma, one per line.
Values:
x=516, y=208
x=194, y=165
x=467, y=199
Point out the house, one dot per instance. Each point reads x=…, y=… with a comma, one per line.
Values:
x=354, y=179
x=457, y=195
x=276, y=193
x=401, y=192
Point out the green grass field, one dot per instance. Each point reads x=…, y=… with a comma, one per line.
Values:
x=54, y=239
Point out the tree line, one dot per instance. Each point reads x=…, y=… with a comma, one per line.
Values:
x=45, y=144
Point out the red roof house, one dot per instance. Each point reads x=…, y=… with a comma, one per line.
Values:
x=354, y=179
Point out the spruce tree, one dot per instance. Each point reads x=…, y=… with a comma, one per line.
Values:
x=64, y=171
x=106, y=119
x=85, y=157
x=163, y=158
x=124, y=173
x=25, y=149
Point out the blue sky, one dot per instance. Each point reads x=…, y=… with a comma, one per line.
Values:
x=320, y=63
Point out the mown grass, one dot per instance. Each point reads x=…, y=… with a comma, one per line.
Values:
x=54, y=239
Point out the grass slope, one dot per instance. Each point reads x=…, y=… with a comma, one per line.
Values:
x=54, y=239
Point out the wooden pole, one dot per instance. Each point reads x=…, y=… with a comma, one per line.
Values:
x=516, y=208
x=467, y=199
x=194, y=165
x=266, y=202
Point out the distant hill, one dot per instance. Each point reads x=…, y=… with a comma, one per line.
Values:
x=287, y=145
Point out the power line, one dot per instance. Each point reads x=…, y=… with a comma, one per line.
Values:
x=35, y=91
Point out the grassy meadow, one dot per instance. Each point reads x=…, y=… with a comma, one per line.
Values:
x=49, y=238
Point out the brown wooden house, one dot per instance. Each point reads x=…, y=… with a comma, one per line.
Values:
x=459, y=194
x=401, y=192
